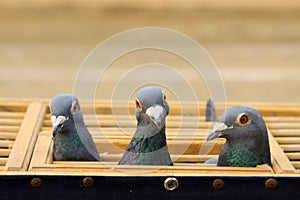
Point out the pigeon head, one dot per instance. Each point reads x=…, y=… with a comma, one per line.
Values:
x=62, y=108
x=246, y=137
x=151, y=107
x=239, y=122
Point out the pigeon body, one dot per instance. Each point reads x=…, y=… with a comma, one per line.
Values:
x=72, y=140
x=148, y=145
x=247, y=143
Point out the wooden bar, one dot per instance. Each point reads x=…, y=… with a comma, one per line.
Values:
x=8, y=136
x=293, y=156
x=20, y=156
x=14, y=122
x=3, y=161
x=41, y=151
x=186, y=137
x=280, y=162
x=11, y=115
x=266, y=109
x=5, y=152
x=286, y=132
x=288, y=140
x=13, y=106
x=290, y=147
x=176, y=158
x=9, y=128
x=7, y=143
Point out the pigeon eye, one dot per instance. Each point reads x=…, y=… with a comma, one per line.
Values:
x=164, y=98
x=243, y=119
x=138, y=104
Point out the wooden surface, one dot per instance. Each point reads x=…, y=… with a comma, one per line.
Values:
x=11, y=117
x=186, y=138
x=20, y=156
x=26, y=139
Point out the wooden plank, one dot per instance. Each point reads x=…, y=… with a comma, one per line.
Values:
x=176, y=124
x=7, y=143
x=191, y=118
x=293, y=156
x=296, y=164
x=9, y=128
x=41, y=162
x=129, y=131
x=106, y=168
x=286, y=132
x=13, y=106
x=11, y=115
x=7, y=135
x=175, y=158
x=279, y=119
x=42, y=150
x=14, y=122
x=288, y=140
x=5, y=152
x=266, y=109
x=113, y=140
x=280, y=162
x=3, y=161
x=283, y=125
x=21, y=153
x=290, y=147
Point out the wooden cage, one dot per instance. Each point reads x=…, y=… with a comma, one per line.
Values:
x=28, y=171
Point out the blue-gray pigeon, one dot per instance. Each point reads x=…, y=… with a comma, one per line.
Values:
x=247, y=143
x=72, y=140
x=148, y=145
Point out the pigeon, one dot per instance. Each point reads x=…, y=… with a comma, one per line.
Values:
x=247, y=143
x=72, y=140
x=148, y=145
x=210, y=112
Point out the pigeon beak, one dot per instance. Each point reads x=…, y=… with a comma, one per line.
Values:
x=156, y=115
x=57, y=123
x=218, y=131
x=55, y=129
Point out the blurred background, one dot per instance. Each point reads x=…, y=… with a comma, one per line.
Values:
x=255, y=44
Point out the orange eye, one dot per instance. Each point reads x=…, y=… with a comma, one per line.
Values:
x=164, y=98
x=138, y=104
x=243, y=119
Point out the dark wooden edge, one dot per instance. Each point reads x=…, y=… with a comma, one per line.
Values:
x=108, y=187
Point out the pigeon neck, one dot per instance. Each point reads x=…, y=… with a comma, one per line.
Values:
x=240, y=155
x=146, y=144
